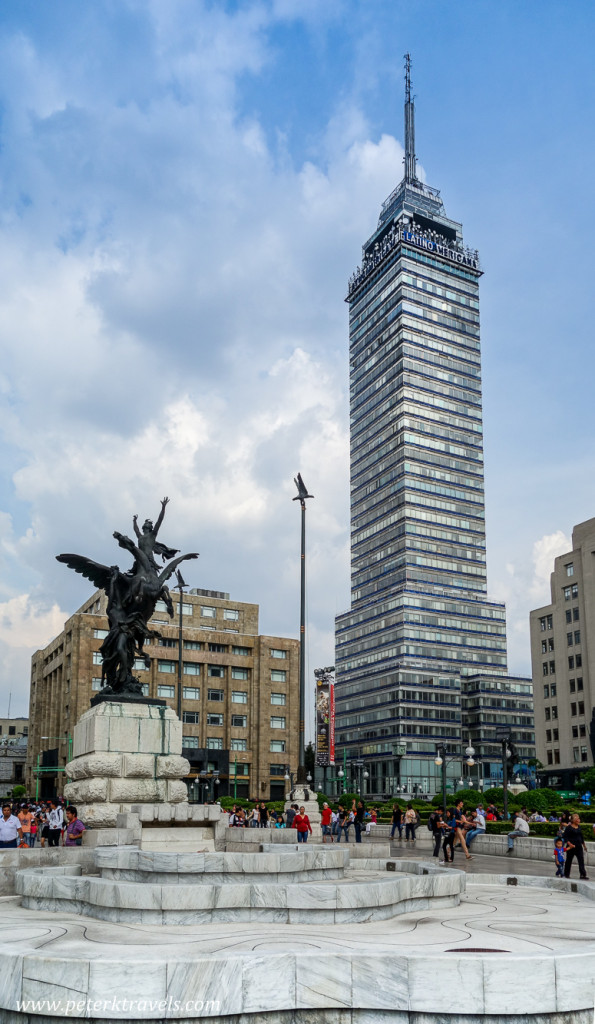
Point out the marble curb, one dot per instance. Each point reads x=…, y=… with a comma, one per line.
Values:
x=574, y=885
x=225, y=864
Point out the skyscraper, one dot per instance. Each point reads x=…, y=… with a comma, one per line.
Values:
x=420, y=619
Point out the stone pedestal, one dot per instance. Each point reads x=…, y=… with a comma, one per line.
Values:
x=123, y=755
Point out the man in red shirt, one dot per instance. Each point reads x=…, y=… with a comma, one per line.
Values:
x=326, y=819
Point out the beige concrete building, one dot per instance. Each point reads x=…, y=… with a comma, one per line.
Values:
x=239, y=698
x=562, y=651
x=13, y=753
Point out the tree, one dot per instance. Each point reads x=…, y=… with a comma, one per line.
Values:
x=587, y=782
x=309, y=759
x=17, y=792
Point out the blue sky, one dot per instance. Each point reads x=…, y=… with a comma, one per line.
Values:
x=184, y=191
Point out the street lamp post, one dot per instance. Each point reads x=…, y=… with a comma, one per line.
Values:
x=181, y=585
x=302, y=496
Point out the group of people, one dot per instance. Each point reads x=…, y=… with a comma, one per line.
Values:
x=259, y=816
x=568, y=844
x=22, y=825
x=456, y=827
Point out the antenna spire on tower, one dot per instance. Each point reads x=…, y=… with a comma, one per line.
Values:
x=410, y=158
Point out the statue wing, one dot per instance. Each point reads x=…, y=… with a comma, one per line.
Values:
x=99, y=575
x=171, y=568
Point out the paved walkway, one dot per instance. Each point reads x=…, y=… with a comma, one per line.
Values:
x=483, y=864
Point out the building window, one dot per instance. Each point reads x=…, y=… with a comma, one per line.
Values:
x=548, y=735
x=191, y=717
x=277, y=747
x=100, y=634
x=553, y=690
x=575, y=753
x=190, y=742
x=166, y=641
x=191, y=668
x=550, y=643
x=542, y=624
x=550, y=622
x=579, y=683
x=578, y=661
x=214, y=743
x=569, y=639
x=214, y=694
x=239, y=673
x=239, y=744
x=167, y=666
x=582, y=730
x=575, y=732
x=239, y=721
x=208, y=613
x=556, y=757
x=545, y=668
x=191, y=693
x=278, y=676
x=276, y=653
x=96, y=683
x=571, y=661
x=574, y=591
x=581, y=707
x=97, y=658
x=547, y=713
x=575, y=614
x=567, y=595
x=213, y=719
x=583, y=753
x=277, y=769
x=278, y=698
x=232, y=614
x=140, y=665
x=569, y=569
x=166, y=691
x=554, y=711
x=550, y=759
x=577, y=636
x=572, y=685
x=546, y=691
x=555, y=736
x=568, y=615
x=160, y=606
x=218, y=648
x=217, y=671
x=186, y=608
x=239, y=696
x=552, y=668
x=573, y=709
x=277, y=722
x=192, y=645
x=244, y=652
x=544, y=646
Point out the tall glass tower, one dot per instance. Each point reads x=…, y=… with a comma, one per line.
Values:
x=420, y=619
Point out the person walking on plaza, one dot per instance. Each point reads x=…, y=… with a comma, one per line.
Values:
x=10, y=829
x=290, y=814
x=263, y=815
x=73, y=836
x=575, y=847
x=301, y=823
x=436, y=826
x=410, y=823
x=26, y=819
x=344, y=823
x=56, y=823
x=521, y=828
x=396, y=821
x=359, y=813
x=325, y=821
x=460, y=829
x=449, y=829
x=559, y=858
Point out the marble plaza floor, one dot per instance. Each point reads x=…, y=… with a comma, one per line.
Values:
x=540, y=939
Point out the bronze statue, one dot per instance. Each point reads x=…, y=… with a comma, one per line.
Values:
x=131, y=600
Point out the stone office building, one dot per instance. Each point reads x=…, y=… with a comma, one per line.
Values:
x=239, y=697
x=562, y=650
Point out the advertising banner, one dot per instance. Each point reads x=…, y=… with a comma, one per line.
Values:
x=325, y=717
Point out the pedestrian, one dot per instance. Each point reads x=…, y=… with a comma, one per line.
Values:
x=460, y=829
x=559, y=858
x=343, y=823
x=254, y=817
x=436, y=826
x=56, y=823
x=43, y=826
x=26, y=819
x=574, y=845
x=478, y=827
x=410, y=823
x=449, y=829
x=521, y=828
x=301, y=823
x=73, y=835
x=10, y=829
x=396, y=821
x=326, y=819
x=290, y=814
x=263, y=815
x=335, y=828
x=359, y=813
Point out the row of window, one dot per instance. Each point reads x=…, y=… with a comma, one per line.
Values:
x=237, y=721
x=571, y=593
x=573, y=638
x=206, y=611
x=573, y=684
x=575, y=708
x=577, y=730
x=216, y=743
x=547, y=645
x=193, y=668
x=549, y=668
x=583, y=754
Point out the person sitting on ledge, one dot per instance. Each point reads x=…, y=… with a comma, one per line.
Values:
x=521, y=828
